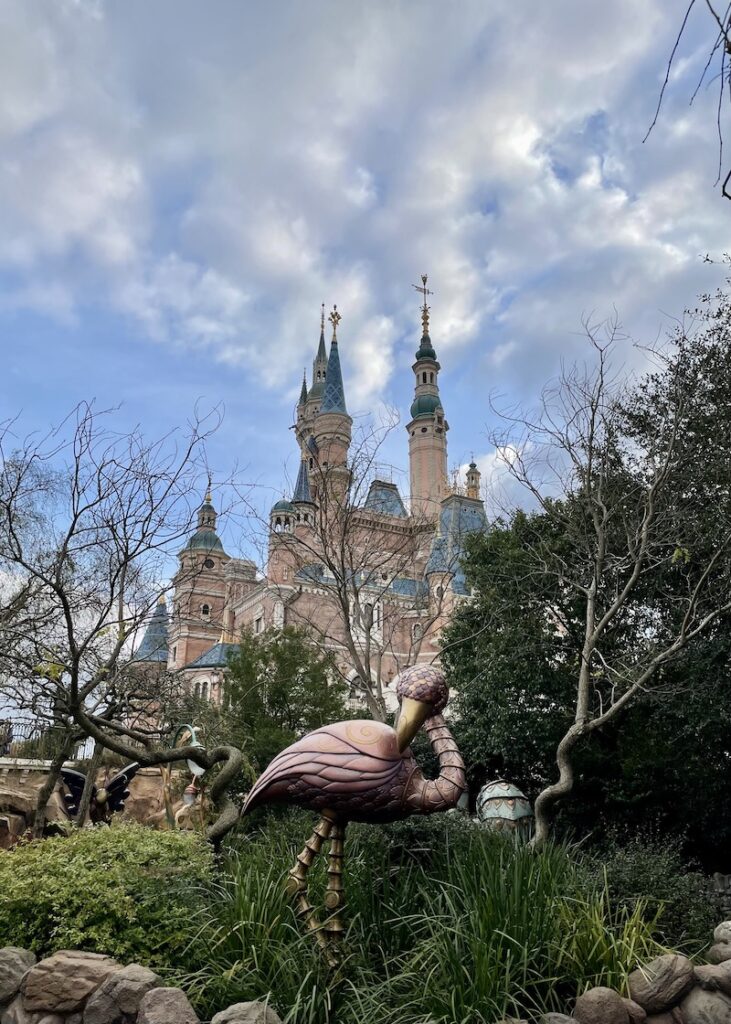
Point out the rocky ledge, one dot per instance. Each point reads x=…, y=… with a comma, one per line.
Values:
x=73, y=987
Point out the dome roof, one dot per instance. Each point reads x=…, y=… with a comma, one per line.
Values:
x=204, y=539
x=425, y=405
x=426, y=349
x=283, y=506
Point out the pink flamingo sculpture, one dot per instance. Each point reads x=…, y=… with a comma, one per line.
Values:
x=362, y=771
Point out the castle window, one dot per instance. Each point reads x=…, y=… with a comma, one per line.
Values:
x=175, y=653
x=423, y=378
x=431, y=378
x=196, y=690
x=423, y=430
x=417, y=632
x=204, y=691
x=312, y=463
x=205, y=610
x=258, y=625
x=209, y=563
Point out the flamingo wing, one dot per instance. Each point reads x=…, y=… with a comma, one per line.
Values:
x=353, y=768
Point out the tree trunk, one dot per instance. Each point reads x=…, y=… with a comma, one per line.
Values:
x=96, y=760
x=549, y=797
x=49, y=785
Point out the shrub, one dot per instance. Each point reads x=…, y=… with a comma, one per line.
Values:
x=649, y=869
x=126, y=890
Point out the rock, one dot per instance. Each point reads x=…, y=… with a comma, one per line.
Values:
x=634, y=1011
x=48, y=1018
x=600, y=1005
x=714, y=977
x=719, y=953
x=555, y=1018
x=722, y=933
x=247, y=1013
x=16, y=1013
x=673, y=1016
x=662, y=983
x=119, y=995
x=701, y=1007
x=63, y=982
x=14, y=962
x=166, y=1006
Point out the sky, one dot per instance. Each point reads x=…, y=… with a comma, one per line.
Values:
x=182, y=184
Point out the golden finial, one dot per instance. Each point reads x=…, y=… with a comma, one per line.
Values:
x=424, y=309
x=161, y=599
x=335, y=319
x=208, y=496
x=322, y=318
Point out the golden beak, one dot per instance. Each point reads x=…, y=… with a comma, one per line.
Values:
x=411, y=717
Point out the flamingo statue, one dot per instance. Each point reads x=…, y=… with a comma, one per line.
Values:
x=361, y=771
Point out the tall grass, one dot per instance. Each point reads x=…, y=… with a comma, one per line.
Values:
x=446, y=924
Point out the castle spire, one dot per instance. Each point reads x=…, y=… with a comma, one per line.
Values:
x=333, y=399
x=426, y=349
x=303, y=392
x=302, y=487
x=319, y=366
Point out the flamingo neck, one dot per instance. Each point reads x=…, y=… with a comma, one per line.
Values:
x=440, y=794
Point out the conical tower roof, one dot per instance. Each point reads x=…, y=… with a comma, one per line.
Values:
x=302, y=487
x=334, y=398
x=154, y=646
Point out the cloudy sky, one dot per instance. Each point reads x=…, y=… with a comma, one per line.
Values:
x=182, y=183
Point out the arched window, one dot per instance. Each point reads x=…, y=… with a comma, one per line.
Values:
x=196, y=690
x=417, y=632
x=423, y=378
x=431, y=378
x=205, y=610
x=204, y=690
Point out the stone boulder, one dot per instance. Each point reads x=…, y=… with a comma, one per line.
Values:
x=555, y=1018
x=715, y=977
x=662, y=983
x=701, y=1007
x=247, y=1013
x=14, y=962
x=722, y=932
x=166, y=1006
x=719, y=952
x=634, y=1011
x=119, y=996
x=673, y=1016
x=63, y=982
x=601, y=1005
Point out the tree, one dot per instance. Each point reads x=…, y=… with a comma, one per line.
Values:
x=351, y=550
x=91, y=551
x=717, y=68
x=626, y=538
x=279, y=685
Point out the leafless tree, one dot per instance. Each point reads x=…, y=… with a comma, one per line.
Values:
x=88, y=520
x=644, y=571
x=346, y=557
x=717, y=66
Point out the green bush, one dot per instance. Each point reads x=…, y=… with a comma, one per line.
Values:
x=126, y=890
x=651, y=869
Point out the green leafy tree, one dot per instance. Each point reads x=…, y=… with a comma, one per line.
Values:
x=279, y=686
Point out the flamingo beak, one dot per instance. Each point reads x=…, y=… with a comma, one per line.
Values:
x=411, y=717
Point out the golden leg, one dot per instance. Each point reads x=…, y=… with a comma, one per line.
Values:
x=297, y=882
x=334, y=895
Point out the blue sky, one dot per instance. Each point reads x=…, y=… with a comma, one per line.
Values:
x=182, y=184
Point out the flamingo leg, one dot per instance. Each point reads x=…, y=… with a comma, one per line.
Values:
x=334, y=895
x=297, y=883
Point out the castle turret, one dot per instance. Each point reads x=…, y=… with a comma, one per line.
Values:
x=427, y=428
x=154, y=646
x=319, y=372
x=473, y=480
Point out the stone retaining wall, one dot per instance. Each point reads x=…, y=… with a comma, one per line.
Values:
x=73, y=987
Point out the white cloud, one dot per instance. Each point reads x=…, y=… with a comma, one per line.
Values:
x=216, y=178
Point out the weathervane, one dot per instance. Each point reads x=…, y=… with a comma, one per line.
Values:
x=322, y=318
x=335, y=319
x=424, y=309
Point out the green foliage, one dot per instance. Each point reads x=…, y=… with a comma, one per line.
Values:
x=124, y=890
x=445, y=922
x=649, y=871
x=279, y=685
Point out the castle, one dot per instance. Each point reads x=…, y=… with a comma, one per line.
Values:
x=373, y=578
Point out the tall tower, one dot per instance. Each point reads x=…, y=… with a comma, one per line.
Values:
x=428, y=427
x=332, y=427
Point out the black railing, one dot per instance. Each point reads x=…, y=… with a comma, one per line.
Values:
x=37, y=741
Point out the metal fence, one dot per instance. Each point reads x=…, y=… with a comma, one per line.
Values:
x=34, y=740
